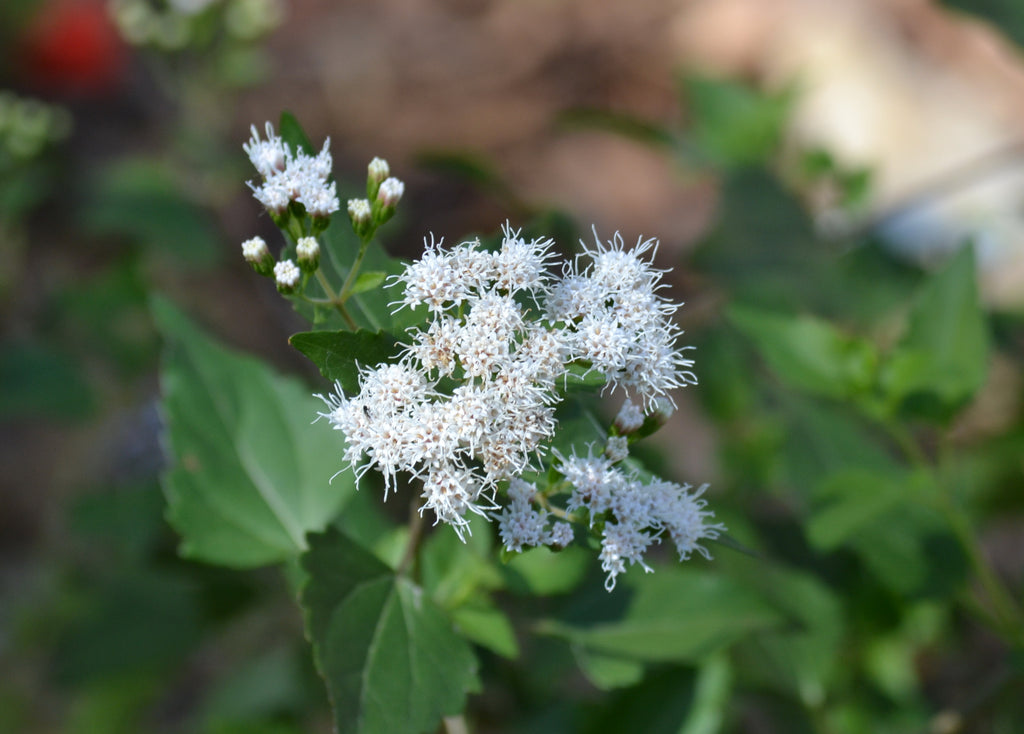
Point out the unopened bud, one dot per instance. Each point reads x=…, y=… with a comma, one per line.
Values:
x=390, y=192
x=307, y=251
x=287, y=275
x=616, y=449
x=361, y=214
x=629, y=419
x=388, y=196
x=257, y=254
x=378, y=170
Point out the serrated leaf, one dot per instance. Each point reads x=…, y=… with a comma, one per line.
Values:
x=942, y=360
x=368, y=281
x=673, y=615
x=250, y=474
x=807, y=353
x=339, y=354
x=391, y=661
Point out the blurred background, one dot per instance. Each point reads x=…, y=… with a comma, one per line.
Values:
x=769, y=144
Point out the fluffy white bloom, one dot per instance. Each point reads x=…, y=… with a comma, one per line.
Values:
x=291, y=175
x=469, y=409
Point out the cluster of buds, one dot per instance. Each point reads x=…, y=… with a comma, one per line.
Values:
x=298, y=195
x=383, y=192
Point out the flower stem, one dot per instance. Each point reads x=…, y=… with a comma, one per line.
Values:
x=415, y=536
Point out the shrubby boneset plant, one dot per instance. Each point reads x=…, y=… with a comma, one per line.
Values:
x=468, y=408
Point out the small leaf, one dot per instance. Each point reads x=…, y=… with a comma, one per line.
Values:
x=391, y=661
x=368, y=281
x=854, y=499
x=339, y=354
x=483, y=623
x=293, y=134
x=674, y=615
x=942, y=359
x=250, y=474
x=808, y=353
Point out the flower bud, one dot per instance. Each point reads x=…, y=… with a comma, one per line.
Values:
x=287, y=275
x=361, y=214
x=616, y=449
x=629, y=418
x=376, y=173
x=307, y=251
x=388, y=196
x=390, y=192
x=257, y=254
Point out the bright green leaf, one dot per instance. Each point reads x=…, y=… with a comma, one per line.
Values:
x=807, y=353
x=391, y=661
x=250, y=474
x=483, y=623
x=851, y=500
x=368, y=281
x=340, y=354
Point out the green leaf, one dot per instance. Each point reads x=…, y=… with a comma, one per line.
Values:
x=673, y=614
x=807, y=353
x=608, y=671
x=734, y=125
x=544, y=572
x=942, y=360
x=293, y=134
x=339, y=354
x=38, y=379
x=854, y=499
x=368, y=281
x=483, y=623
x=391, y=661
x=250, y=474
x=140, y=200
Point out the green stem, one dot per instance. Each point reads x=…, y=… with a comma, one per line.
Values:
x=416, y=522
x=346, y=287
x=335, y=300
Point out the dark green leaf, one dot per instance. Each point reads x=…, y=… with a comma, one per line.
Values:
x=293, y=134
x=674, y=614
x=340, y=354
x=942, y=359
x=37, y=379
x=250, y=474
x=140, y=200
x=852, y=500
x=391, y=661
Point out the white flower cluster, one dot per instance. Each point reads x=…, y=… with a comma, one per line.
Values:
x=470, y=406
x=635, y=514
x=291, y=175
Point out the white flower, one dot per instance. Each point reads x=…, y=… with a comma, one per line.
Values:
x=287, y=274
x=291, y=175
x=255, y=249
